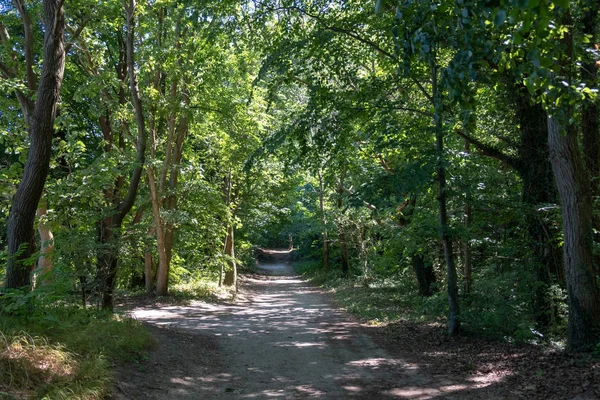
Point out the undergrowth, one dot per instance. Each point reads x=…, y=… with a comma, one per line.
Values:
x=487, y=311
x=61, y=351
x=202, y=289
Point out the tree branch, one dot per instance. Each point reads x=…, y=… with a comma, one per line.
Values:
x=28, y=44
x=489, y=151
x=75, y=34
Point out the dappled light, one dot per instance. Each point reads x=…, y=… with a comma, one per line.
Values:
x=284, y=339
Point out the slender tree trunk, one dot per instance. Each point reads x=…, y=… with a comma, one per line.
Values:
x=231, y=274
x=466, y=244
x=45, y=265
x=20, y=231
x=323, y=220
x=454, y=310
x=162, y=274
x=148, y=271
x=341, y=228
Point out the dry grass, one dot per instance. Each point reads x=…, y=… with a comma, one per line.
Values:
x=31, y=367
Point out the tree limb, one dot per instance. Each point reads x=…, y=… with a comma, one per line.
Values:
x=75, y=34
x=361, y=39
x=28, y=44
x=489, y=151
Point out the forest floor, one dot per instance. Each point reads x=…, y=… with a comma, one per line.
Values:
x=284, y=338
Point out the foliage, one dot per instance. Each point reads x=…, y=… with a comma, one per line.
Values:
x=49, y=348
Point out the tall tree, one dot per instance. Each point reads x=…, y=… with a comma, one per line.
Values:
x=110, y=226
x=39, y=115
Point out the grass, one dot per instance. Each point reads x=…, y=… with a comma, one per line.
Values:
x=203, y=290
x=376, y=301
x=486, y=312
x=66, y=352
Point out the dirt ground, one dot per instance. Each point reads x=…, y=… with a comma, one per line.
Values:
x=284, y=339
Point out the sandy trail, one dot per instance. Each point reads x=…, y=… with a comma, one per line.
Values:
x=285, y=341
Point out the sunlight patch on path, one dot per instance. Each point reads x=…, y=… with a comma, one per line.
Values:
x=288, y=342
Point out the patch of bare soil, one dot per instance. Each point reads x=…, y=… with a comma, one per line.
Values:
x=284, y=339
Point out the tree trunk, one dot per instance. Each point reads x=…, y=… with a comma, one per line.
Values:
x=539, y=189
x=148, y=271
x=20, y=232
x=466, y=243
x=323, y=220
x=230, y=278
x=454, y=310
x=576, y=201
x=590, y=117
x=345, y=263
x=162, y=274
x=110, y=227
x=424, y=273
x=45, y=265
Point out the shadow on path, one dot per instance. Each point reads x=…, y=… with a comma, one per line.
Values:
x=286, y=341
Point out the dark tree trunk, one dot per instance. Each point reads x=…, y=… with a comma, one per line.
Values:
x=539, y=189
x=466, y=243
x=590, y=116
x=323, y=220
x=424, y=273
x=576, y=201
x=345, y=263
x=20, y=232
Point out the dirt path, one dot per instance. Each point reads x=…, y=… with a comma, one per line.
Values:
x=285, y=340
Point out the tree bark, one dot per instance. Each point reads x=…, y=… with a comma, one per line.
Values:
x=323, y=220
x=45, y=265
x=424, y=274
x=162, y=274
x=345, y=263
x=539, y=189
x=576, y=201
x=148, y=271
x=230, y=278
x=20, y=230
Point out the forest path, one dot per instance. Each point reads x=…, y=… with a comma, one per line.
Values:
x=284, y=340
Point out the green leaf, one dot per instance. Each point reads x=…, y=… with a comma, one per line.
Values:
x=500, y=18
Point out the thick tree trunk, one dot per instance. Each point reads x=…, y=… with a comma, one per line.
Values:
x=590, y=117
x=230, y=278
x=454, y=310
x=539, y=189
x=20, y=232
x=424, y=273
x=576, y=201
